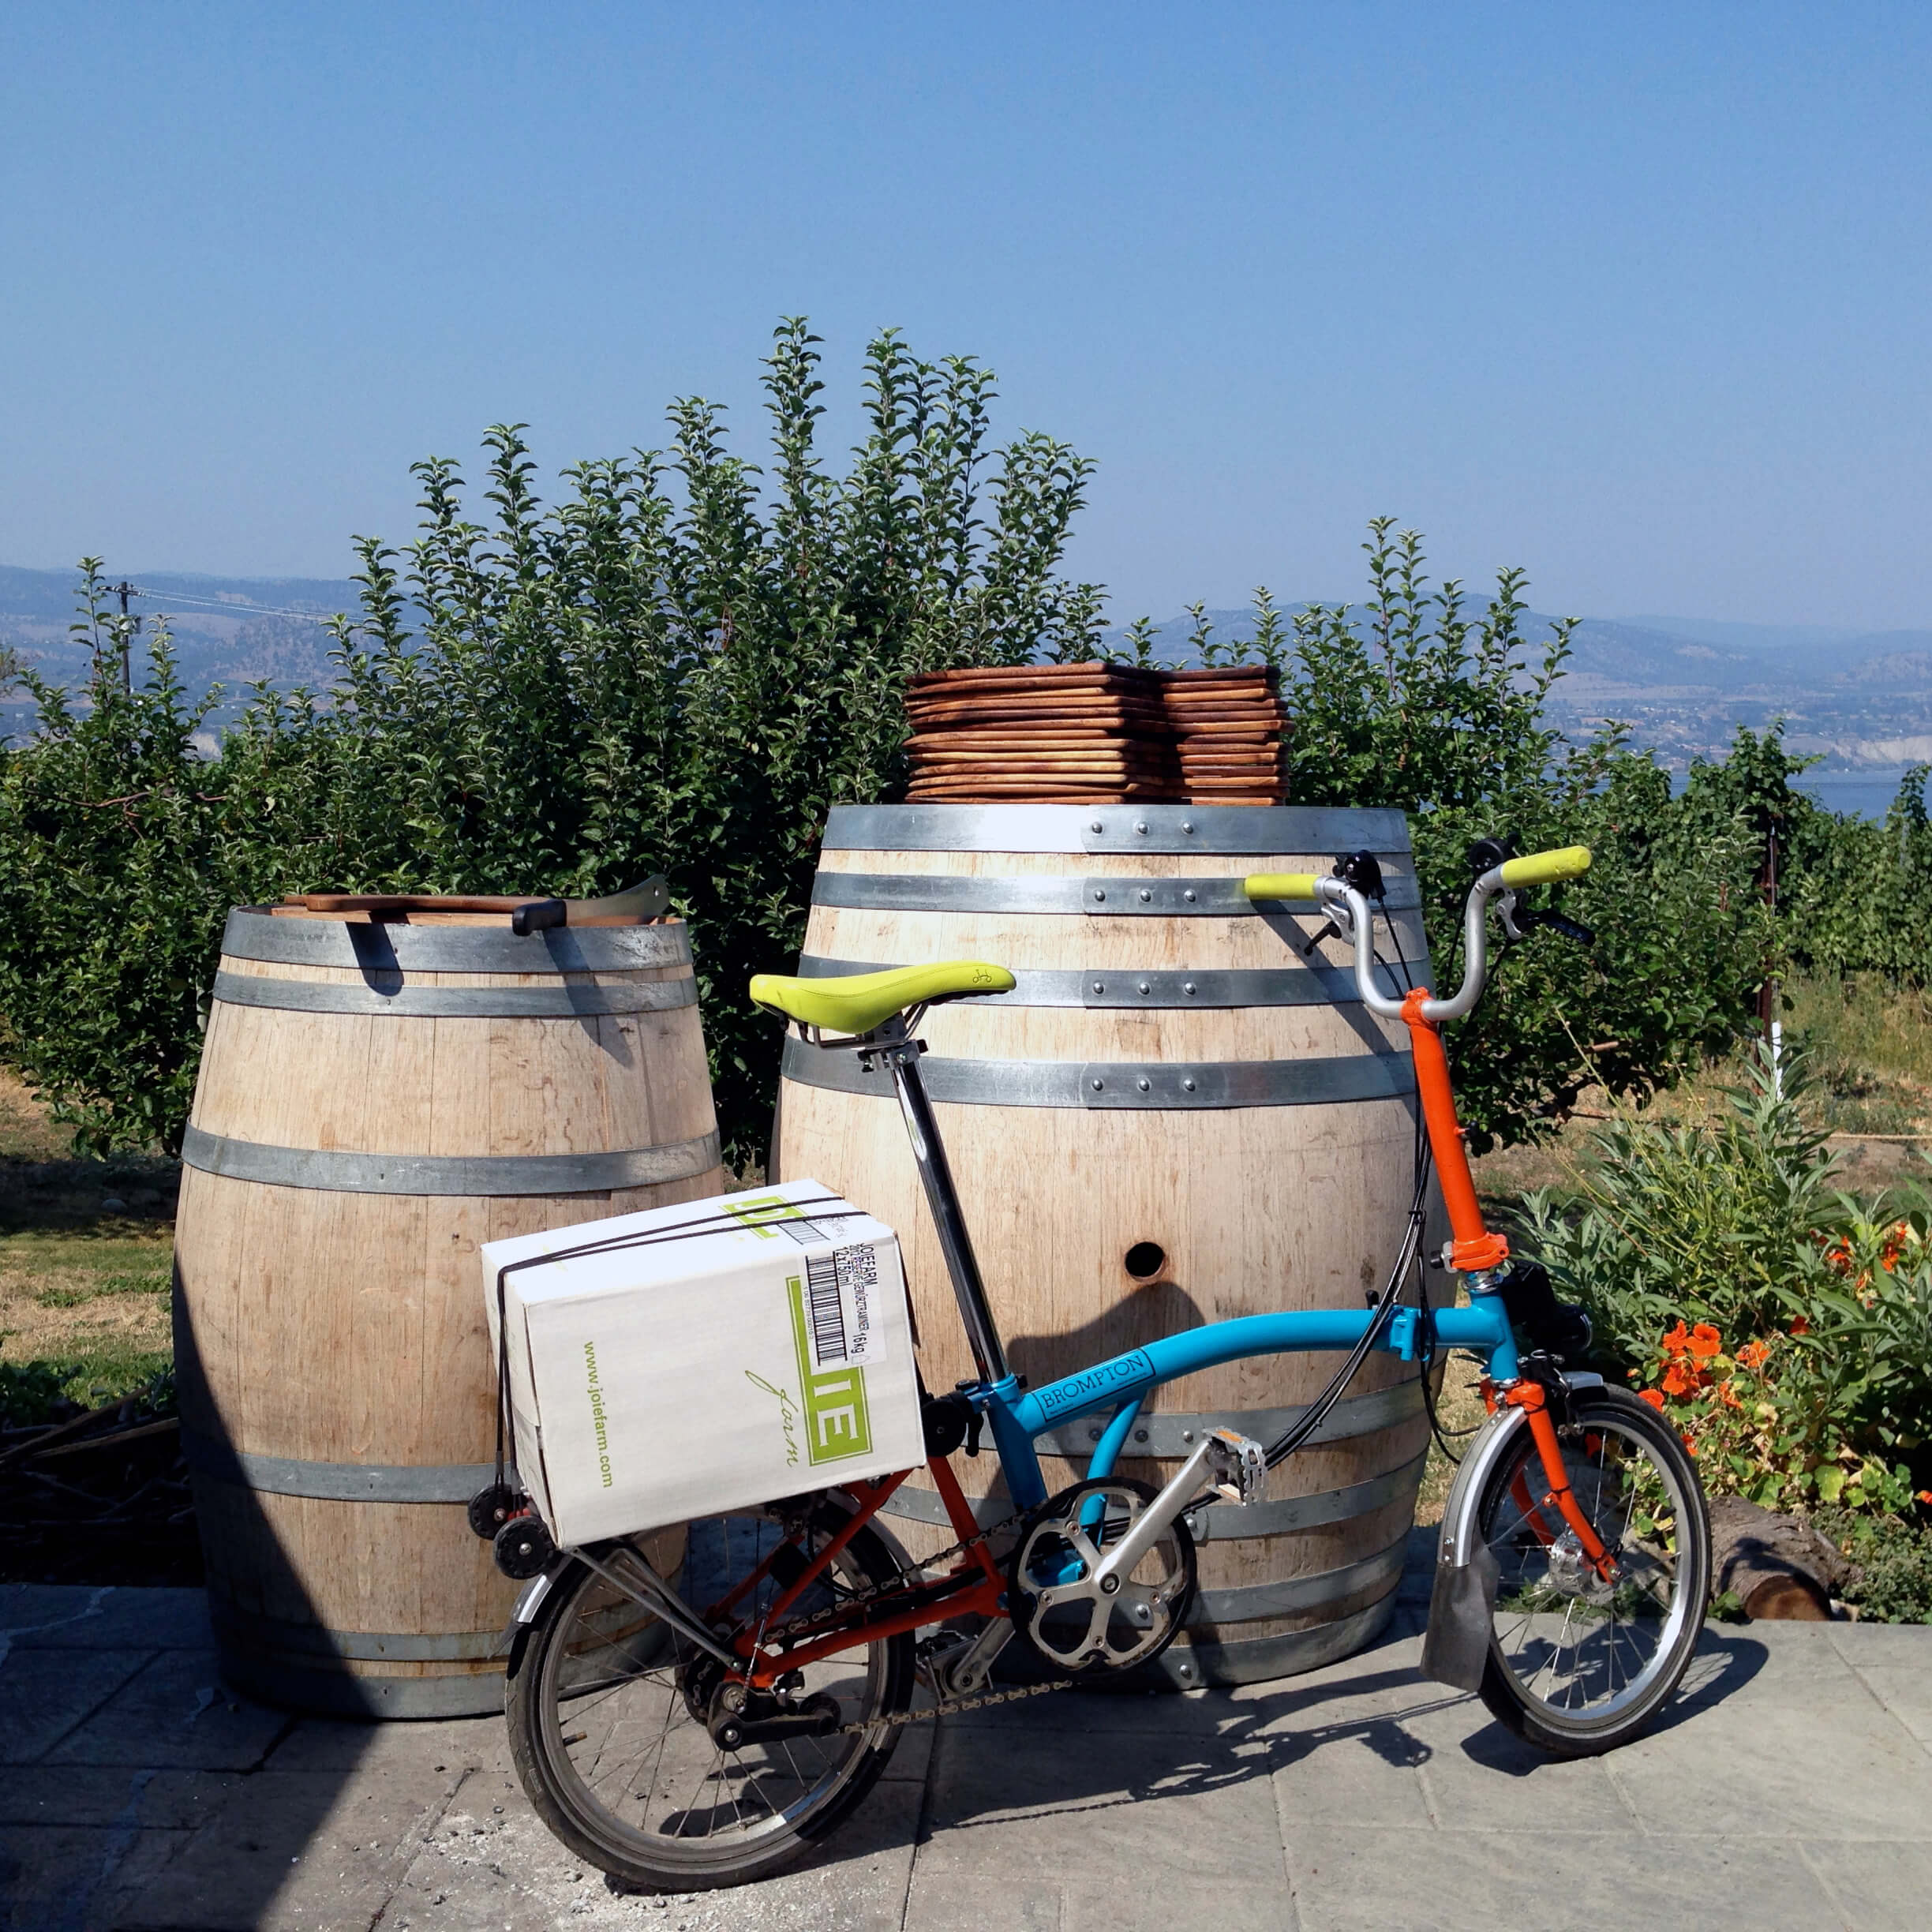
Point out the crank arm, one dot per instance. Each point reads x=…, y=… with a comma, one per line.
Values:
x=974, y=1664
x=1220, y=1458
x=655, y=1594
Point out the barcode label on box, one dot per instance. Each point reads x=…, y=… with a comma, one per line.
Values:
x=842, y=1307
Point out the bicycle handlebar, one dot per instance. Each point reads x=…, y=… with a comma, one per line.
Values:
x=1352, y=917
x=1546, y=868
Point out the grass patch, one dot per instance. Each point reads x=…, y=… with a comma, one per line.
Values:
x=36, y=1392
x=1870, y=1046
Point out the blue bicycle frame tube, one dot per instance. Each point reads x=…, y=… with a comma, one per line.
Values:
x=1122, y=1382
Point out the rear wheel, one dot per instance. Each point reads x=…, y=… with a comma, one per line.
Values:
x=621, y=1728
x=1579, y=1663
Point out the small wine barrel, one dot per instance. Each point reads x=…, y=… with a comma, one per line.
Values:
x=1174, y=1117
x=375, y=1100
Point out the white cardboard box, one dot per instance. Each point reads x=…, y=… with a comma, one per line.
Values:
x=704, y=1357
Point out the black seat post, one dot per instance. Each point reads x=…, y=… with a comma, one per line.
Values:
x=943, y=1198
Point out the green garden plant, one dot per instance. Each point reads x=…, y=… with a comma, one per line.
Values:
x=1786, y=1330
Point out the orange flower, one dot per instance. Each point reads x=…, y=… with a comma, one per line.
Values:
x=1925, y=1497
x=1656, y=1400
x=1752, y=1354
x=1679, y=1380
x=1705, y=1341
x=1678, y=1341
x=1801, y=1325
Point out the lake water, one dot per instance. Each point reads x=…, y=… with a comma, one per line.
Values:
x=1867, y=793
x=1862, y=794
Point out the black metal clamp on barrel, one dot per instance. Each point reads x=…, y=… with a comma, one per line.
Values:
x=647, y=901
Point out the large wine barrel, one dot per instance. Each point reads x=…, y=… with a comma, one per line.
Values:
x=375, y=1100
x=1174, y=1118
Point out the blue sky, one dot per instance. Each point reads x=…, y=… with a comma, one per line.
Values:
x=1635, y=296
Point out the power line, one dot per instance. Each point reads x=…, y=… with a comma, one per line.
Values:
x=227, y=605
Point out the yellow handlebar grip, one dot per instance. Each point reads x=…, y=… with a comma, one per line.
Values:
x=1279, y=885
x=1545, y=868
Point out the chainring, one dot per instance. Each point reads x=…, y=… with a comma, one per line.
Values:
x=1055, y=1587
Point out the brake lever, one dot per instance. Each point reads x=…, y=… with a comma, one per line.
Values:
x=1506, y=904
x=1570, y=928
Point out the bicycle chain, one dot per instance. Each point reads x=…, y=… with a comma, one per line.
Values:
x=898, y=1719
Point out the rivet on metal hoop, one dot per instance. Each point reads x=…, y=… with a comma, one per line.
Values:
x=1187, y=986
x=1096, y=826
x=1099, y=893
x=1098, y=1085
x=1145, y=988
x=1188, y=1085
x=1140, y=824
x=1144, y=1084
x=1145, y=895
x=1189, y=895
x=1100, y=986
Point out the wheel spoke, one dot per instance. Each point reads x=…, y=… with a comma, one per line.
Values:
x=616, y=1719
x=1616, y=1639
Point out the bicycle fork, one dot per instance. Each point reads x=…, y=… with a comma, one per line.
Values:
x=1462, y=1602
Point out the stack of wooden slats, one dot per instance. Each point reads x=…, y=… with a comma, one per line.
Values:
x=1096, y=733
x=1227, y=726
x=1075, y=734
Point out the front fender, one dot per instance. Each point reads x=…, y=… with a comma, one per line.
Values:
x=1455, y=1648
x=1457, y=1538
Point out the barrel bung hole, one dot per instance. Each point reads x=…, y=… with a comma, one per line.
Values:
x=1145, y=1259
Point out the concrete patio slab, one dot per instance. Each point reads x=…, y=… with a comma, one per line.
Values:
x=1790, y=1788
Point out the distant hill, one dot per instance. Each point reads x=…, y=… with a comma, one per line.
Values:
x=1853, y=698
x=1683, y=683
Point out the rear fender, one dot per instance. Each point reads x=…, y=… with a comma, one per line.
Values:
x=528, y=1603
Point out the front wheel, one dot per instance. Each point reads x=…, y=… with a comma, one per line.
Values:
x=615, y=1723
x=1579, y=1663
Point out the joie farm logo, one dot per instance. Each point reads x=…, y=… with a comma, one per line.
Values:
x=836, y=1422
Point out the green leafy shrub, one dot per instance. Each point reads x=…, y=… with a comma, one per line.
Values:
x=684, y=664
x=1785, y=1329
x=1893, y=1555
x=1422, y=706
x=124, y=846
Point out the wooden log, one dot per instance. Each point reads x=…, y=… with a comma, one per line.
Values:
x=1778, y=1566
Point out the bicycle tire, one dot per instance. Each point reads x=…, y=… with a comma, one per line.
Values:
x=1607, y=1693
x=575, y=1631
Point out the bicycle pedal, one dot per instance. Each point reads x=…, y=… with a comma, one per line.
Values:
x=1240, y=1467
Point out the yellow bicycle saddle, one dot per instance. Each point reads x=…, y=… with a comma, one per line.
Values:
x=858, y=1002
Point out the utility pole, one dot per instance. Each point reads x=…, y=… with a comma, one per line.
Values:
x=130, y=627
x=1768, y=1000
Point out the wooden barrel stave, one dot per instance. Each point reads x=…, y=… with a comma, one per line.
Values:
x=1254, y=1206
x=330, y=1484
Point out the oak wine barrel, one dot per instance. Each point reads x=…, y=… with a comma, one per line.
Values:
x=376, y=1097
x=1174, y=1117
